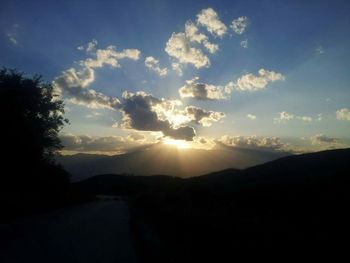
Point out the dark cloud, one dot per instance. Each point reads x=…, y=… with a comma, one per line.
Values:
x=86, y=143
x=139, y=113
x=253, y=142
x=203, y=117
x=321, y=139
x=201, y=91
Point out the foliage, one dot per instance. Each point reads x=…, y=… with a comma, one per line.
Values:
x=31, y=115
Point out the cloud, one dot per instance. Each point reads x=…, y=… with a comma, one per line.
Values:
x=179, y=47
x=320, y=50
x=85, y=143
x=153, y=64
x=191, y=32
x=201, y=91
x=251, y=82
x=177, y=68
x=93, y=114
x=284, y=117
x=239, y=25
x=322, y=139
x=185, y=46
x=73, y=83
x=203, y=117
x=136, y=137
x=343, y=114
x=141, y=112
x=253, y=142
x=251, y=116
x=244, y=43
x=110, y=56
x=304, y=118
x=12, y=34
x=209, y=19
x=90, y=46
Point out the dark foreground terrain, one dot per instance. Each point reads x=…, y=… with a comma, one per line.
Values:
x=93, y=232
x=285, y=208
x=294, y=205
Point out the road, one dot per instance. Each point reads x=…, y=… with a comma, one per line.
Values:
x=92, y=232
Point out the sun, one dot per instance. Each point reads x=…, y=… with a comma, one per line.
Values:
x=180, y=144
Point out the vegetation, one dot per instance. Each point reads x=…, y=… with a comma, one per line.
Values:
x=31, y=117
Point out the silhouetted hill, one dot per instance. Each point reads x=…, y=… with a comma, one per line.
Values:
x=292, y=205
x=163, y=159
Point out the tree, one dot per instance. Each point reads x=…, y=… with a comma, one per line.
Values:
x=31, y=117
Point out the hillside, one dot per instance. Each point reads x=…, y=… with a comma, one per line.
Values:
x=293, y=205
x=168, y=160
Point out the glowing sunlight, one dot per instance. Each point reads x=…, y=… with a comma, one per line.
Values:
x=180, y=144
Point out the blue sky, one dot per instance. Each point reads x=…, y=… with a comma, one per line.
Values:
x=306, y=43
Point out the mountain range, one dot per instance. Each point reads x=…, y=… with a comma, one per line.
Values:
x=166, y=160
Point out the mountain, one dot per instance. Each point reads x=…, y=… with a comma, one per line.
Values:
x=290, y=206
x=163, y=159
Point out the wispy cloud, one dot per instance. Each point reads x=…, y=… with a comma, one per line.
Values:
x=239, y=25
x=12, y=34
x=244, y=43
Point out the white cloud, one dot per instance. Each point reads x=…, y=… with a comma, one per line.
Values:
x=110, y=56
x=251, y=82
x=343, y=114
x=179, y=47
x=153, y=64
x=74, y=82
x=251, y=116
x=185, y=46
x=209, y=19
x=284, y=117
x=239, y=25
x=201, y=91
x=244, y=43
x=191, y=31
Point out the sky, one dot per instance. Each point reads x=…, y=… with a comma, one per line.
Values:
x=257, y=74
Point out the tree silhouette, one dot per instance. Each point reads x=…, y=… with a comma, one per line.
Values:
x=31, y=116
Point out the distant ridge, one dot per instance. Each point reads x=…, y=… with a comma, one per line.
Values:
x=168, y=160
